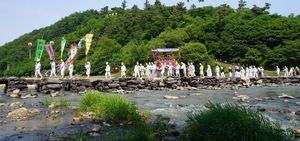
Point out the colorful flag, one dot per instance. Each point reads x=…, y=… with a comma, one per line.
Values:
x=73, y=53
x=63, y=43
x=82, y=39
x=39, y=49
x=89, y=38
x=50, y=51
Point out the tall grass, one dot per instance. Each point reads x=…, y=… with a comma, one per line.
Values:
x=232, y=122
x=109, y=107
x=63, y=103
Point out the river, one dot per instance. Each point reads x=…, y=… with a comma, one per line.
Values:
x=176, y=109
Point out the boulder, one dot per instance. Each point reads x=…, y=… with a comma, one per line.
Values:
x=20, y=113
x=16, y=91
x=170, y=97
x=113, y=85
x=297, y=112
x=53, y=81
x=283, y=95
x=53, y=86
x=15, y=105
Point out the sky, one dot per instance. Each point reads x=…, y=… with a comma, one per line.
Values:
x=23, y=16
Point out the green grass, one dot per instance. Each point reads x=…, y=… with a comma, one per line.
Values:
x=109, y=107
x=62, y=103
x=232, y=122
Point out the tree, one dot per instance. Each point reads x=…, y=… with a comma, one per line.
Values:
x=146, y=4
x=193, y=6
x=242, y=4
x=195, y=53
x=124, y=4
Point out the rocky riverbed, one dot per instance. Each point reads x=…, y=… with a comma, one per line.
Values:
x=29, y=119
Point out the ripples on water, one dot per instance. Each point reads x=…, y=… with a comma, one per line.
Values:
x=177, y=109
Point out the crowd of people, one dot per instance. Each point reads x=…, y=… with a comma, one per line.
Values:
x=162, y=69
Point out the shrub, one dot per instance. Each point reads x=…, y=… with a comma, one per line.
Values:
x=108, y=107
x=231, y=122
x=61, y=104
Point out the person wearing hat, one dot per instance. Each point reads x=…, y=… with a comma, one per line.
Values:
x=62, y=68
x=53, y=69
x=88, y=69
x=123, y=70
x=107, y=70
x=38, y=69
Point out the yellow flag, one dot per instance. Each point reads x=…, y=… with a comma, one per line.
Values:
x=88, y=41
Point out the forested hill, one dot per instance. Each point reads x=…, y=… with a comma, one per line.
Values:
x=247, y=35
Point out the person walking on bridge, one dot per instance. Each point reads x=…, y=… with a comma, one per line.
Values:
x=38, y=69
x=123, y=70
x=62, y=68
x=71, y=68
x=53, y=69
x=107, y=70
x=88, y=69
x=278, y=71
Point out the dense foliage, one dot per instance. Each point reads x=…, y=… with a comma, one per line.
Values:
x=232, y=122
x=243, y=35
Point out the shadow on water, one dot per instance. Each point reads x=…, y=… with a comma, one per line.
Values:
x=154, y=102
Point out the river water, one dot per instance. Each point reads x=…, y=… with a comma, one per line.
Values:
x=176, y=109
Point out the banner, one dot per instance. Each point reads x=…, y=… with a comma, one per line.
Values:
x=82, y=39
x=63, y=43
x=39, y=49
x=73, y=54
x=50, y=52
x=89, y=38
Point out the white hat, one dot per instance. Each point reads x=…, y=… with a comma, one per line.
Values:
x=38, y=60
x=106, y=63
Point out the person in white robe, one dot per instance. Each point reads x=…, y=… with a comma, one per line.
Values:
x=107, y=70
x=53, y=69
x=123, y=70
x=38, y=69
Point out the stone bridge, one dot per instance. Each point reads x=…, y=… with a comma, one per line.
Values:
x=18, y=87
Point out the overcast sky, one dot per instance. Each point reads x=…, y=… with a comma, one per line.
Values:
x=23, y=16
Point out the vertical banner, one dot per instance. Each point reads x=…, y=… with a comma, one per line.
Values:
x=82, y=39
x=89, y=38
x=39, y=49
x=50, y=52
x=73, y=53
x=63, y=43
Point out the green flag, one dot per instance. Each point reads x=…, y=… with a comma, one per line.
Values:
x=63, y=43
x=39, y=49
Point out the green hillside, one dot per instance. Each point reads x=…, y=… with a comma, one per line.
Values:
x=250, y=36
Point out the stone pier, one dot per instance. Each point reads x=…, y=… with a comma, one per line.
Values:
x=17, y=87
